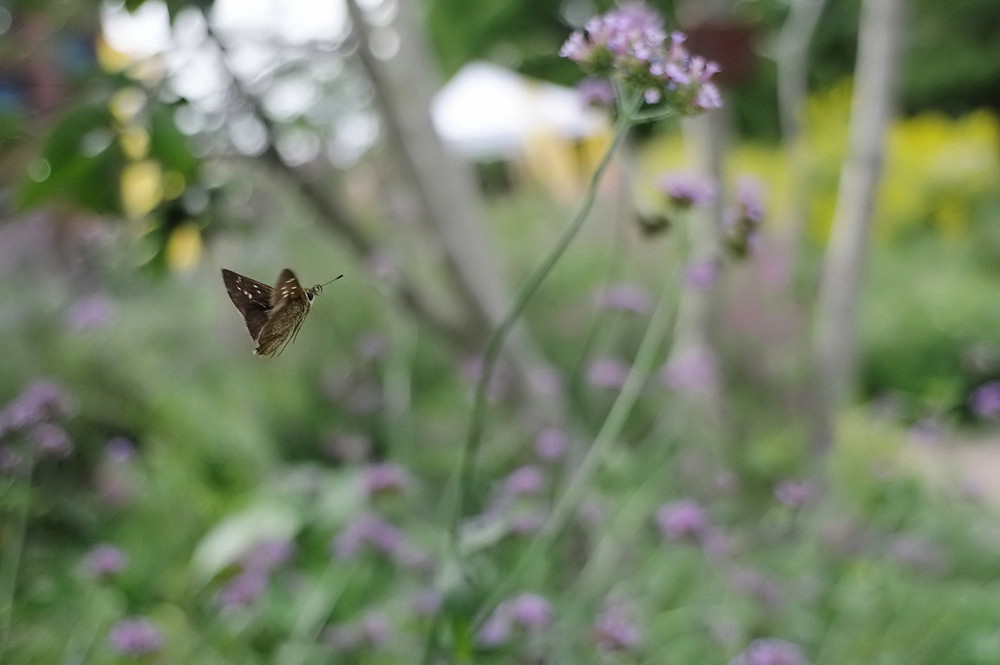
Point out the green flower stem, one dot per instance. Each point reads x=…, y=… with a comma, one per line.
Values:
x=569, y=500
x=12, y=560
x=495, y=343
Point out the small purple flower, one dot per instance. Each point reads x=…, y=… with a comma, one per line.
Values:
x=682, y=520
x=616, y=630
x=701, y=275
x=985, y=400
x=596, y=91
x=50, y=441
x=551, y=443
x=368, y=531
x=692, y=371
x=796, y=493
x=119, y=450
x=348, y=447
x=625, y=297
x=41, y=401
x=770, y=651
x=496, y=630
x=105, y=561
x=269, y=555
x=375, y=628
x=91, y=313
x=136, y=636
x=687, y=189
x=372, y=345
x=607, y=373
x=427, y=602
x=750, y=197
x=243, y=590
x=385, y=478
x=530, y=611
x=523, y=481
x=527, y=523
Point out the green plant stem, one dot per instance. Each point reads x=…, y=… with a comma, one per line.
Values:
x=12, y=561
x=651, y=344
x=494, y=345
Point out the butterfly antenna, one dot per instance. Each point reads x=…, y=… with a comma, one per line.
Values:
x=332, y=280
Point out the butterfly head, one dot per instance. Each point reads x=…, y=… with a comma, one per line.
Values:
x=318, y=288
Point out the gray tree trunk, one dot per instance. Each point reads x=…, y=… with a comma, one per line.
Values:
x=446, y=188
x=835, y=334
x=792, y=62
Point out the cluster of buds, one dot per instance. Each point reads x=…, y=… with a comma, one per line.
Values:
x=630, y=48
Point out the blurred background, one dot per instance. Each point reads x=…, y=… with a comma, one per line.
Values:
x=810, y=472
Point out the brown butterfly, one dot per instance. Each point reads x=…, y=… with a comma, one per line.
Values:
x=273, y=316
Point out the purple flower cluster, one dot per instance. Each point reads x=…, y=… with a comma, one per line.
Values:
x=528, y=612
x=372, y=630
x=373, y=533
x=685, y=190
x=743, y=224
x=136, y=636
x=770, y=651
x=984, y=401
x=105, y=562
x=682, y=520
x=551, y=444
x=257, y=565
x=615, y=629
x=34, y=415
x=624, y=297
x=630, y=47
x=385, y=478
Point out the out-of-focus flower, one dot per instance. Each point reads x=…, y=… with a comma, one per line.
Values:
x=427, y=602
x=796, y=493
x=500, y=381
x=372, y=630
x=105, y=561
x=596, y=91
x=764, y=589
x=685, y=190
x=692, y=371
x=243, y=589
x=385, y=478
x=268, y=555
x=616, y=630
x=41, y=401
x=984, y=401
x=743, y=224
x=629, y=44
x=524, y=480
x=119, y=450
x=375, y=628
x=770, y=651
x=89, y=314
x=496, y=630
x=368, y=531
x=701, y=275
x=527, y=523
x=530, y=611
x=136, y=636
x=348, y=447
x=10, y=459
x=50, y=441
x=625, y=297
x=607, y=373
x=551, y=443
x=372, y=344
x=682, y=519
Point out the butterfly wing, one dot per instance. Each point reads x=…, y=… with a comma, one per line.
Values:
x=252, y=299
x=289, y=306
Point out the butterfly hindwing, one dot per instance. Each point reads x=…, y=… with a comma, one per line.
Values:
x=252, y=299
x=289, y=306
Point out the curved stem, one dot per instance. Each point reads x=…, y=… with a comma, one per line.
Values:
x=652, y=342
x=494, y=345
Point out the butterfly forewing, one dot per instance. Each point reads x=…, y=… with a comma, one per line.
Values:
x=252, y=299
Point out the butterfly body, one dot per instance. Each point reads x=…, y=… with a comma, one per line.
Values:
x=272, y=315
